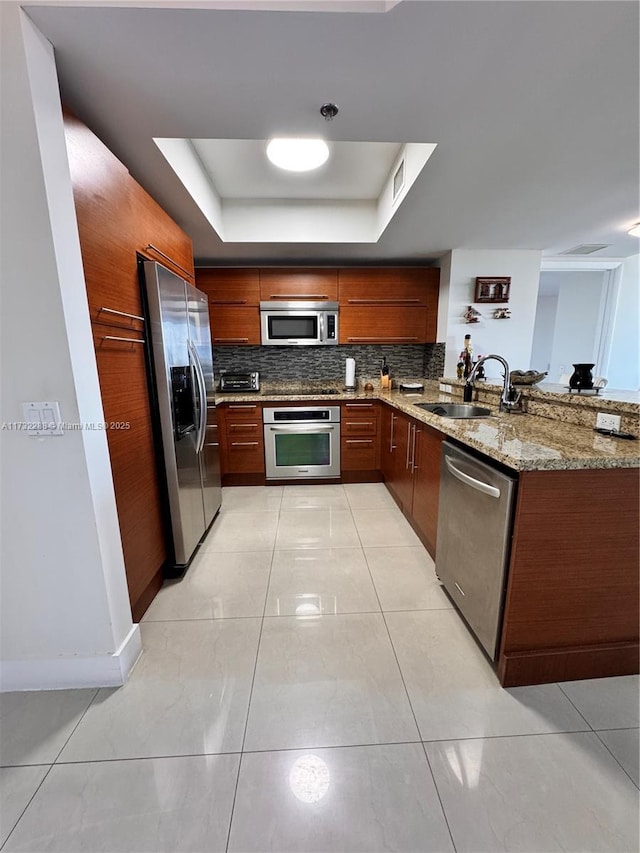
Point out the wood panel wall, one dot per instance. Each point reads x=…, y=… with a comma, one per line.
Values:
x=117, y=220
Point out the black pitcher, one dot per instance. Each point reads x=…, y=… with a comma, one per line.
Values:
x=581, y=378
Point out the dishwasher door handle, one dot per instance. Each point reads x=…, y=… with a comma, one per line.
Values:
x=485, y=488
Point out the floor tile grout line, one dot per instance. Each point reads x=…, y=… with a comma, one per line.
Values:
x=437, y=790
x=51, y=766
x=13, y=828
x=253, y=678
x=571, y=702
x=624, y=769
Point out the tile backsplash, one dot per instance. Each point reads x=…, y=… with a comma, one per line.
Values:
x=405, y=361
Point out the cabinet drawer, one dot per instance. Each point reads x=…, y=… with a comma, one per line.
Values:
x=358, y=454
x=308, y=284
x=242, y=412
x=245, y=455
x=240, y=427
x=359, y=426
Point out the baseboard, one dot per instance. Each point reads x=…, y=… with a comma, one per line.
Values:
x=73, y=672
x=544, y=666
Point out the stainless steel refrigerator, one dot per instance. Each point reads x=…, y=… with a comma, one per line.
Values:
x=182, y=364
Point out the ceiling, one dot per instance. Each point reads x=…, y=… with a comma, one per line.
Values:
x=533, y=106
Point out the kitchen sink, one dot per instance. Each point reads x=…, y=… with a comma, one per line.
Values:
x=455, y=410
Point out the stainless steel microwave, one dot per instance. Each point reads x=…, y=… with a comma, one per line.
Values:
x=299, y=323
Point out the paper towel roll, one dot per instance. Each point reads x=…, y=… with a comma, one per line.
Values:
x=350, y=375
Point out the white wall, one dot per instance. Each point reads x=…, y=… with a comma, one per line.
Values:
x=512, y=338
x=623, y=370
x=578, y=322
x=544, y=328
x=65, y=615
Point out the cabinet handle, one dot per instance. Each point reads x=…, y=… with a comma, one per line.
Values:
x=244, y=444
x=121, y=314
x=232, y=340
x=406, y=463
x=392, y=446
x=298, y=296
x=242, y=426
x=379, y=339
x=358, y=441
x=359, y=423
x=212, y=444
x=414, y=467
x=228, y=302
x=359, y=405
x=168, y=258
x=126, y=340
x=236, y=406
x=383, y=301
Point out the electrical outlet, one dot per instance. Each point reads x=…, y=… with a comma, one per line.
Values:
x=610, y=422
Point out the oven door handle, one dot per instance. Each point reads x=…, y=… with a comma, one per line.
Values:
x=295, y=429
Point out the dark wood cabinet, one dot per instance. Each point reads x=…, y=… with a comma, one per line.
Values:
x=117, y=222
x=426, y=483
x=157, y=237
x=410, y=465
x=359, y=437
x=242, y=442
x=388, y=305
x=312, y=285
x=234, y=297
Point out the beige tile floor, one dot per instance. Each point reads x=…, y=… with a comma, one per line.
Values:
x=307, y=686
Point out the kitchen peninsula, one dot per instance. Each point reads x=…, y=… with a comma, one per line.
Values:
x=571, y=605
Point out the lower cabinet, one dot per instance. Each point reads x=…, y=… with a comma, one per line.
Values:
x=359, y=437
x=410, y=464
x=241, y=441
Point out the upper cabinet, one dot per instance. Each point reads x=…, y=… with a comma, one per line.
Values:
x=388, y=305
x=158, y=237
x=313, y=285
x=234, y=297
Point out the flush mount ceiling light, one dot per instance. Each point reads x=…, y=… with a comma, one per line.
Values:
x=635, y=230
x=297, y=155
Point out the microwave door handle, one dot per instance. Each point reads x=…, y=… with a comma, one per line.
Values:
x=321, y=336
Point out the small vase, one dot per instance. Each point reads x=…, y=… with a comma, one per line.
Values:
x=581, y=377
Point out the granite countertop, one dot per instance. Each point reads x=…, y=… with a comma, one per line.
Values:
x=521, y=442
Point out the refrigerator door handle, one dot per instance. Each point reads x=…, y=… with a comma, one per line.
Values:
x=202, y=393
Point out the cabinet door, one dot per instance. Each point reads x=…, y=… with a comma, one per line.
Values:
x=125, y=400
x=401, y=481
x=232, y=326
x=426, y=483
x=158, y=237
x=103, y=202
x=411, y=287
x=377, y=325
x=229, y=287
x=307, y=284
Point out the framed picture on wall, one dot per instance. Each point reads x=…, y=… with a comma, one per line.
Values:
x=492, y=289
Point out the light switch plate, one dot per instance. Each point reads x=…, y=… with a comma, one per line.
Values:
x=606, y=421
x=42, y=419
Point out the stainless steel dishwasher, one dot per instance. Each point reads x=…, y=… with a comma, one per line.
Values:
x=474, y=538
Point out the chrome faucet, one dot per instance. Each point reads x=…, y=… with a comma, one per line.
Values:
x=510, y=399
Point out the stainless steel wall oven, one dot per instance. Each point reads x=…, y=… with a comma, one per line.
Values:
x=302, y=442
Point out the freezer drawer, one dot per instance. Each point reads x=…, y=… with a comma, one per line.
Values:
x=474, y=538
